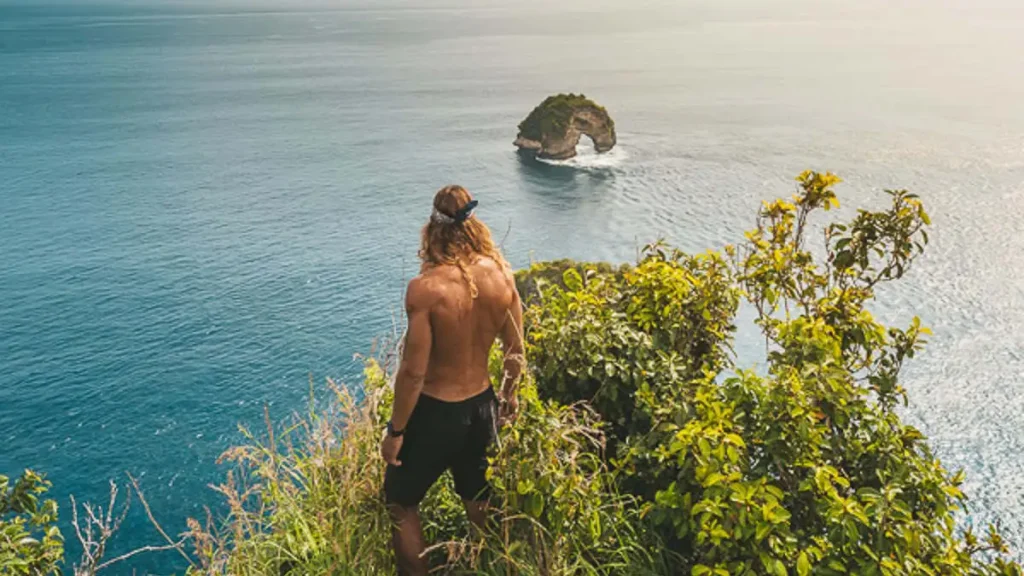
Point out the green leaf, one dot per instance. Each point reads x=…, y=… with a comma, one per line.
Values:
x=803, y=565
x=572, y=280
x=524, y=487
x=535, y=504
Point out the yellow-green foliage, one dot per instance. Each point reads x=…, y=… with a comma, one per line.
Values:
x=616, y=338
x=553, y=116
x=30, y=542
x=552, y=273
x=804, y=468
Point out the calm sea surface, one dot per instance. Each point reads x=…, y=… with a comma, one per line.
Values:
x=203, y=203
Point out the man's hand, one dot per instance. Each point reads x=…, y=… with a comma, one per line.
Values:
x=509, y=409
x=389, y=448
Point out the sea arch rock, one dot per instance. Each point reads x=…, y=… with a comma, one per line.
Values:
x=553, y=129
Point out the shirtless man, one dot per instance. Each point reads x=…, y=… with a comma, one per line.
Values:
x=445, y=413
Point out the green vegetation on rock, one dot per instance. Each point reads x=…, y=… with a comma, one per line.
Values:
x=553, y=116
x=641, y=448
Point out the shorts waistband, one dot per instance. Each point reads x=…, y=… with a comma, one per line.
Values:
x=484, y=396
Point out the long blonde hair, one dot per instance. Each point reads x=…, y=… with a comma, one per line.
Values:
x=446, y=241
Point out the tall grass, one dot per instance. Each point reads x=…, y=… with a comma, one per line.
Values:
x=304, y=500
x=307, y=499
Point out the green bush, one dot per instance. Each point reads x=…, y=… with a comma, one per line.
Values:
x=30, y=542
x=623, y=339
x=805, y=468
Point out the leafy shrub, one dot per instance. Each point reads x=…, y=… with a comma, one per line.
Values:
x=552, y=272
x=30, y=542
x=804, y=469
x=623, y=339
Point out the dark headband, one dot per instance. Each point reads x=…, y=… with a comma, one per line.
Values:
x=459, y=217
x=465, y=212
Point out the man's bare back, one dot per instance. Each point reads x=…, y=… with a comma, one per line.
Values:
x=464, y=328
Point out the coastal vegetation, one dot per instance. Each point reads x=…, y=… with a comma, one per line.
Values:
x=641, y=447
x=554, y=115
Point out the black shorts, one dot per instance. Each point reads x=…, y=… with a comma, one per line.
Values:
x=443, y=436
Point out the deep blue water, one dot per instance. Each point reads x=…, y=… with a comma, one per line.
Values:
x=204, y=203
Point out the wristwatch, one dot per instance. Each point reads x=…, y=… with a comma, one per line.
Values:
x=394, y=433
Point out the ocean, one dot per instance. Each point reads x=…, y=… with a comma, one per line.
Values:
x=203, y=205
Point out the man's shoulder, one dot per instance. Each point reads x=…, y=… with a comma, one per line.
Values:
x=423, y=290
x=489, y=263
x=498, y=282
x=494, y=268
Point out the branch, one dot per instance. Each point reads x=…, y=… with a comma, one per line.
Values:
x=172, y=546
x=149, y=514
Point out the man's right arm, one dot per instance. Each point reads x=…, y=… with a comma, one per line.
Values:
x=512, y=345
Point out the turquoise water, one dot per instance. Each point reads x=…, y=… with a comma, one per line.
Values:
x=204, y=203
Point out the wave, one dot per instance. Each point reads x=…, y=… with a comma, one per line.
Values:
x=587, y=158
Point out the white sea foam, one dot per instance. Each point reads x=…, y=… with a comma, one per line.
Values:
x=587, y=158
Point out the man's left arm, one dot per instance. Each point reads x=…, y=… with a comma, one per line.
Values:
x=413, y=368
